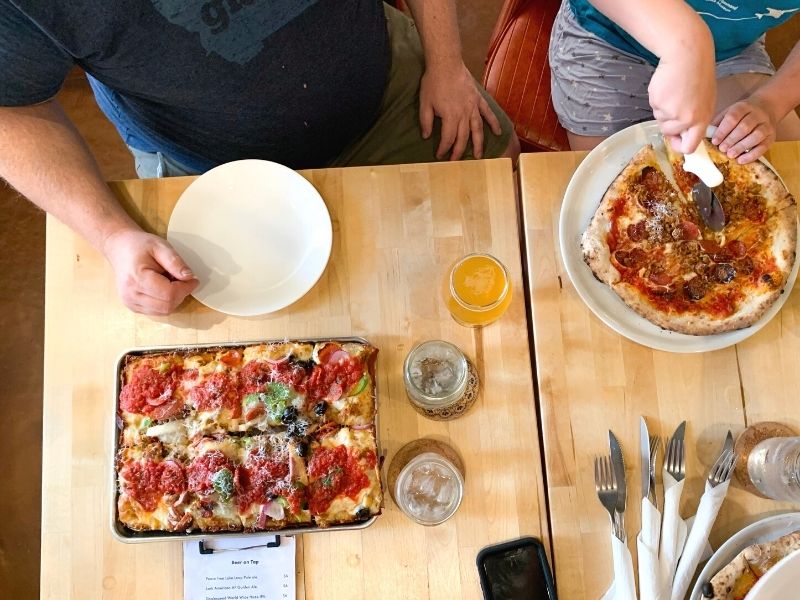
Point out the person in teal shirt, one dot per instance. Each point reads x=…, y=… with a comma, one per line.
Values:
x=685, y=63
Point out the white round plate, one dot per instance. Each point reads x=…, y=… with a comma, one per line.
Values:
x=780, y=581
x=759, y=532
x=256, y=234
x=584, y=192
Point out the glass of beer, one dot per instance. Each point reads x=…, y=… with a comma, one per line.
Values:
x=477, y=290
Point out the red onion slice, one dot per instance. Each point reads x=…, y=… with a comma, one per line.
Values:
x=337, y=357
x=273, y=510
x=279, y=361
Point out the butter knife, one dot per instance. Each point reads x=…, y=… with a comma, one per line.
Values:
x=644, y=455
x=648, y=538
x=619, y=472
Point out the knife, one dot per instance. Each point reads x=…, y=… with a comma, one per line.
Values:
x=648, y=538
x=619, y=472
x=644, y=452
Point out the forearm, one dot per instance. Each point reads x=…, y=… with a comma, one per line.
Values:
x=437, y=23
x=782, y=91
x=664, y=27
x=45, y=159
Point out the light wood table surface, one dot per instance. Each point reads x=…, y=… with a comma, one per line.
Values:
x=396, y=231
x=591, y=379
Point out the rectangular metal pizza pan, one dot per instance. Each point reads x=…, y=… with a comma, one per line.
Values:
x=128, y=536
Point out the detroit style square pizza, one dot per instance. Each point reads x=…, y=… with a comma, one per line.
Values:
x=648, y=242
x=248, y=438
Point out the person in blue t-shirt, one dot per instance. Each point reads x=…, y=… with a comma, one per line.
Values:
x=191, y=84
x=687, y=64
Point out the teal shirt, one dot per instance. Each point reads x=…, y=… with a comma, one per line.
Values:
x=735, y=24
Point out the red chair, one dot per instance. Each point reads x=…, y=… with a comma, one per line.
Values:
x=517, y=72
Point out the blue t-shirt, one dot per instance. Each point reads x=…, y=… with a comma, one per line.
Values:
x=734, y=24
x=208, y=81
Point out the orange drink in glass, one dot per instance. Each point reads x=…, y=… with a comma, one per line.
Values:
x=477, y=290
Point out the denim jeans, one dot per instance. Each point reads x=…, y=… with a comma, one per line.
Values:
x=151, y=165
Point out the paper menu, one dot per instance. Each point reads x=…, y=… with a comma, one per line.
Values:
x=255, y=573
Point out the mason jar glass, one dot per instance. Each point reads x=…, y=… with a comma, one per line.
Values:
x=436, y=374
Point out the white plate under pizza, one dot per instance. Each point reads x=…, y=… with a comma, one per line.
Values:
x=593, y=183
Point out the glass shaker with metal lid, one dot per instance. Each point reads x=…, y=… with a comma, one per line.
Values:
x=440, y=382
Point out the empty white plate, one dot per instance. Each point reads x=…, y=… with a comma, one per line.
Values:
x=256, y=234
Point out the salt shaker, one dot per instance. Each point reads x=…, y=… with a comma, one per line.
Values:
x=440, y=382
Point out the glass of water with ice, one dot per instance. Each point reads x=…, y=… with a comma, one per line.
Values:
x=429, y=489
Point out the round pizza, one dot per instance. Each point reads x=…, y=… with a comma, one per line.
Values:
x=649, y=243
x=737, y=578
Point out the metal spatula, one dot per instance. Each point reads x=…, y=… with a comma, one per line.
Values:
x=708, y=205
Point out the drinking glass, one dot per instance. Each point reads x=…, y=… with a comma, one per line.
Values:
x=477, y=290
x=774, y=468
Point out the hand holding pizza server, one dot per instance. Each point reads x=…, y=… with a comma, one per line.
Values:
x=617, y=62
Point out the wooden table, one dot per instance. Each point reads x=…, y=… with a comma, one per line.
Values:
x=590, y=379
x=396, y=231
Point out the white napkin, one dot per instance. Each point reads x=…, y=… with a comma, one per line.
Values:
x=647, y=546
x=673, y=531
x=624, y=586
x=697, y=540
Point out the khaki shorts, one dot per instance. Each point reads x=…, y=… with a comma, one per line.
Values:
x=395, y=137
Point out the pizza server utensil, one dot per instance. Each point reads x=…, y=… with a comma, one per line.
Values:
x=708, y=205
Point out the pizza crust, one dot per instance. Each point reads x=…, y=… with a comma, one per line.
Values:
x=697, y=324
x=736, y=578
x=725, y=582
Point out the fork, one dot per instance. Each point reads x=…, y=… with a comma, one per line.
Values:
x=606, y=486
x=655, y=444
x=673, y=533
x=675, y=460
x=710, y=503
x=722, y=469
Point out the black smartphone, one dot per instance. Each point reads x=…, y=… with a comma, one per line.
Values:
x=516, y=570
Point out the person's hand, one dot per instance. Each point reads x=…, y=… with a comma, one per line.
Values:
x=682, y=95
x=151, y=277
x=746, y=130
x=454, y=97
